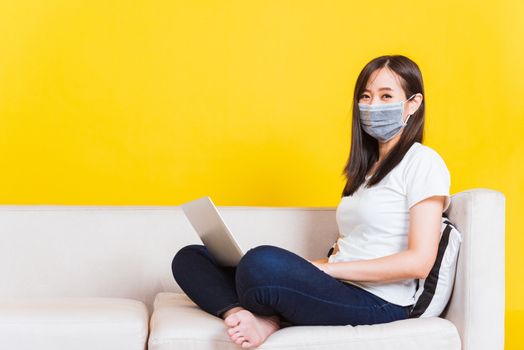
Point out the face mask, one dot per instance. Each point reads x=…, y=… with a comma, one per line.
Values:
x=383, y=121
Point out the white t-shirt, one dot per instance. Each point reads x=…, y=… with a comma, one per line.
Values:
x=373, y=222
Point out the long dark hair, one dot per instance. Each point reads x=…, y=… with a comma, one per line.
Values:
x=364, y=148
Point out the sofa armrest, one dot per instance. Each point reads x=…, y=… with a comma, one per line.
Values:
x=476, y=306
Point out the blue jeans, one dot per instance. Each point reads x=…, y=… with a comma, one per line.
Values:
x=270, y=280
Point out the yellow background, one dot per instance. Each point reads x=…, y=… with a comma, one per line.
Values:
x=159, y=102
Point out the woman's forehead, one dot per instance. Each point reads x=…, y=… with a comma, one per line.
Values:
x=382, y=78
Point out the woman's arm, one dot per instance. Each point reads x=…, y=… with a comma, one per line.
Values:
x=414, y=262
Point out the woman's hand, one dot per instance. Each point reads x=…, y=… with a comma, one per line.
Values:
x=320, y=264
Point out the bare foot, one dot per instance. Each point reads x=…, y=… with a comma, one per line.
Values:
x=249, y=330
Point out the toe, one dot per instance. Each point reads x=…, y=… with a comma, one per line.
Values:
x=232, y=320
x=240, y=340
x=246, y=345
x=232, y=331
x=235, y=336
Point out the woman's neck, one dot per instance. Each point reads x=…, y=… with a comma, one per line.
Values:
x=385, y=147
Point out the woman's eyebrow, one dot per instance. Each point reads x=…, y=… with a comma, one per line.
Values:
x=382, y=88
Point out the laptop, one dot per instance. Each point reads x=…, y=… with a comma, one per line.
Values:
x=213, y=231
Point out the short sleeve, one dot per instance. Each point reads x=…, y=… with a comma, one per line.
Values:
x=427, y=175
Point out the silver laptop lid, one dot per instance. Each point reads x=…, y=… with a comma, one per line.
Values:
x=210, y=226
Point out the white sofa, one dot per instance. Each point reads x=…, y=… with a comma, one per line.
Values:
x=99, y=277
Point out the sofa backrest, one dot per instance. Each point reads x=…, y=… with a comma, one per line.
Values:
x=126, y=251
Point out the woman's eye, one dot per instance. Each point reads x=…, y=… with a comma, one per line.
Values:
x=364, y=96
x=388, y=96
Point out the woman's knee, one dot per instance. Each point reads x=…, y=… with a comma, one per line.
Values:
x=263, y=255
x=260, y=264
x=186, y=255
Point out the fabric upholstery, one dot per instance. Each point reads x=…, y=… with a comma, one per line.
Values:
x=126, y=252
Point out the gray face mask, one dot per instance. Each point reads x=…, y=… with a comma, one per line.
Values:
x=383, y=121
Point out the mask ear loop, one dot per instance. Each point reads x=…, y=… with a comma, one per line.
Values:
x=406, y=122
x=409, y=115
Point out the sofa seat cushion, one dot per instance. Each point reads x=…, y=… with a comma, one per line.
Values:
x=73, y=323
x=177, y=323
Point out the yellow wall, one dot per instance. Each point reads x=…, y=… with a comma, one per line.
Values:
x=160, y=101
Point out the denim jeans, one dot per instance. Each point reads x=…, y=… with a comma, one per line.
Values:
x=270, y=280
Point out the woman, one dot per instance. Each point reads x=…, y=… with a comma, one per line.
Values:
x=389, y=220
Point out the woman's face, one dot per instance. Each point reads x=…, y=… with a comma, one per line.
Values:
x=383, y=86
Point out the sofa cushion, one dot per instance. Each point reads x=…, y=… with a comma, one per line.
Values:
x=177, y=323
x=73, y=323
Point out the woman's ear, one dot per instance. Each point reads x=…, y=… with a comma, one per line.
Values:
x=415, y=103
